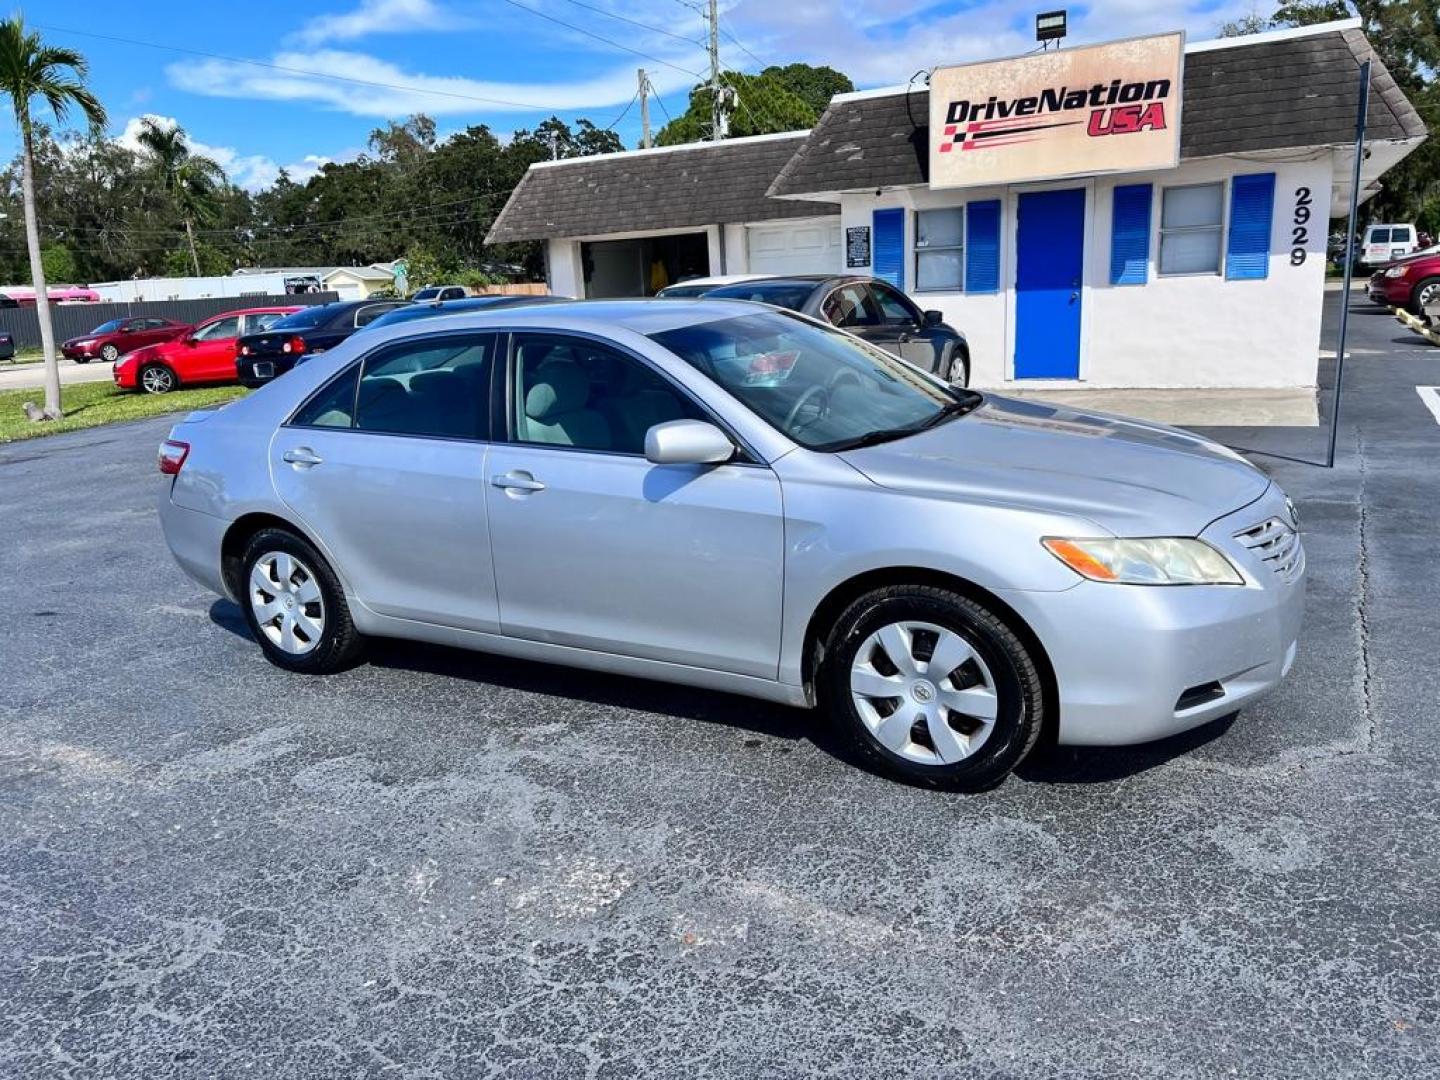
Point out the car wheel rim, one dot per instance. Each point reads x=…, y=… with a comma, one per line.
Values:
x=924, y=692
x=286, y=601
x=1429, y=295
x=157, y=380
x=109, y=352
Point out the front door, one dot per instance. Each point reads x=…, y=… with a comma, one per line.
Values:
x=209, y=354
x=389, y=476
x=1049, y=263
x=598, y=548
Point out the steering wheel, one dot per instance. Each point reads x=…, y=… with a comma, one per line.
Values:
x=844, y=375
x=817, y=393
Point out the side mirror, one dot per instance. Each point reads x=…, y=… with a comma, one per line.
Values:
x=934, y=318
x=190, y=340
x=687, y=442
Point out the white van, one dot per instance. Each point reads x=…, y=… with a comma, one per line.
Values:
x=1386, y=243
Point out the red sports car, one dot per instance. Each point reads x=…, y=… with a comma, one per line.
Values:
x=205, y=355
x=111, y=340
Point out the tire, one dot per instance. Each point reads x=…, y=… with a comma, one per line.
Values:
x=156, y=379
x=959, y=373
x=82, y=359
x=1426, y=290
x=109, y=354
x=313, y=634
x=997, y=674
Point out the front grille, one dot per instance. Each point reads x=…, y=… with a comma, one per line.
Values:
x=1278, y=545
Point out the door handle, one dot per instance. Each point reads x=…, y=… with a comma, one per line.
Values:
x=517, y=481
x=904, y=338
x=301, y=457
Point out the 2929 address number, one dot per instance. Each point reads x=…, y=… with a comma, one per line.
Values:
x=1299, y=231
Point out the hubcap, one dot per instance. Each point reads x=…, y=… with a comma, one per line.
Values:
x=924, y=692
x=1429, y=294
x=286, y=600
x=157, y=380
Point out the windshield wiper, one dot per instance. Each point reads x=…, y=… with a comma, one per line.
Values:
x=951, y=409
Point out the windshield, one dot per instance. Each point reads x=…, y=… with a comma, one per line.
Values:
x=304, y=319
x=822, y=388
x=786, y=294
x=107, y=327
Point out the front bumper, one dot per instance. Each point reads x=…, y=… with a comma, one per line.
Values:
x=1137, y=663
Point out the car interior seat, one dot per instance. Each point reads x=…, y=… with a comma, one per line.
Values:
x=556, y=406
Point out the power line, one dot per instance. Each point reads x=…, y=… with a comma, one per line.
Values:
x=601, y=38
x=623, y=113
x=315, y=74
x=743, y=49
x=635, y=22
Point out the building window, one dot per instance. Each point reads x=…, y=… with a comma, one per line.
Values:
x=940, y=250
x=1190, y=229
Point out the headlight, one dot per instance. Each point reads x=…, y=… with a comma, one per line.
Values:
x=1148, y=561
x=1397, y=271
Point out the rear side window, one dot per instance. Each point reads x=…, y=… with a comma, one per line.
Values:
x=437, y=387
x=334, y=405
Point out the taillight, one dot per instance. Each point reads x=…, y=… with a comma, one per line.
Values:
x=295, y=345
x=172, y=455
x=244, y=350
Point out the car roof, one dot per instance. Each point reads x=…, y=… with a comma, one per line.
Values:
x=254, y=311
x=651, y=316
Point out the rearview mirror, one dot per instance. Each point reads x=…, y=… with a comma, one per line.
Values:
x=687, y=442
x=934, y=318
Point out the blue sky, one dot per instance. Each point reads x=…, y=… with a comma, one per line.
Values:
x=503, y=63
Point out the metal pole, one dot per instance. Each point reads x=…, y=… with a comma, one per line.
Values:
x=1360, y=116
x=644, y=110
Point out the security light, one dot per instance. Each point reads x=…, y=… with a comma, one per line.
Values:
x=1050, y=26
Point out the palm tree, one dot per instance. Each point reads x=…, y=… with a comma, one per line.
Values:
x=29, y=68
x=189, y=178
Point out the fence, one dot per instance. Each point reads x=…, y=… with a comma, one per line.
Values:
x=72, y=320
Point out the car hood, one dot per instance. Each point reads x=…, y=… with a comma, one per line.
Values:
x=1130, y=477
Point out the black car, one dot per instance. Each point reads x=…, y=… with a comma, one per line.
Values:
x=7, y=346
x=869, y=308
x=455, y=307
x=275, y=350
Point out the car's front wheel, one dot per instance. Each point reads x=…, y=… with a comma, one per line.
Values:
x=932, y=688
x=109, y=354
x=82, y=359
x=157, y=379
x=1427, y=292
x=295, y=605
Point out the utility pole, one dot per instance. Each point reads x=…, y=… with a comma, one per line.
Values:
x=717, y=111
x=644, y=110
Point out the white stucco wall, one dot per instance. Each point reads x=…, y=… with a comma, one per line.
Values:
x=1184, y=331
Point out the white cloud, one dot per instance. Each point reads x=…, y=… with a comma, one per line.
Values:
x=379, y=17
x=249, y=171
x=403, y=92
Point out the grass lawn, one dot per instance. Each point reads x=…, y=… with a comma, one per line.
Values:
x=28, y=356
x=92, y=404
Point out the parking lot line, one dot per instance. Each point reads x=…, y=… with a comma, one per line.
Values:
x=1430, y=395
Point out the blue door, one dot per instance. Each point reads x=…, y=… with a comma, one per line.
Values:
x=1049, y=259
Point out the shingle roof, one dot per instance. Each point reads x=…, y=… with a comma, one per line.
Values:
x=671, y=188
x=1291, y=91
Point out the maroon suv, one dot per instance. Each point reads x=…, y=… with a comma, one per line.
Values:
x=1409, y=283
x=111, y=340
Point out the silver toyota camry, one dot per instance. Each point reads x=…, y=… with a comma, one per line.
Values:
x=733, y=497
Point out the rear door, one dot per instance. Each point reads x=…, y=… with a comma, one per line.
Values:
x=386, y=466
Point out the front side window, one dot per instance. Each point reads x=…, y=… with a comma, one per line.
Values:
x=851, y=306
x=107, y=327
x=573, y=392
x=1190, y=229
x=825, y=390
x=940, y=250
x=434, y=386
x=896, y=310
x=219, y=329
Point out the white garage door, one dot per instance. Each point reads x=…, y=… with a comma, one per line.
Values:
x=805, y=246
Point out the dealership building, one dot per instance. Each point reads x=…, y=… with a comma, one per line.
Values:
x=1142, y=214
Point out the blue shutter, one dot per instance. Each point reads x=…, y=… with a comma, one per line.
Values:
x=982, y=246
x=888, y=258
x=1130, y=235
x=1252, y=206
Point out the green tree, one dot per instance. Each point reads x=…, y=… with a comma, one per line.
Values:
x=58, y=262
x=29, y=68
x=786, y=98
x=192, y=181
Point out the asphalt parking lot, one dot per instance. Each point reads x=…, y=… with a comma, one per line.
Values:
x=446, y=865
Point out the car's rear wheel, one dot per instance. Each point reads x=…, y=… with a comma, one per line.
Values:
x=157, y=379
x=295, y=605
x=931, y=688
x=109, y=354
